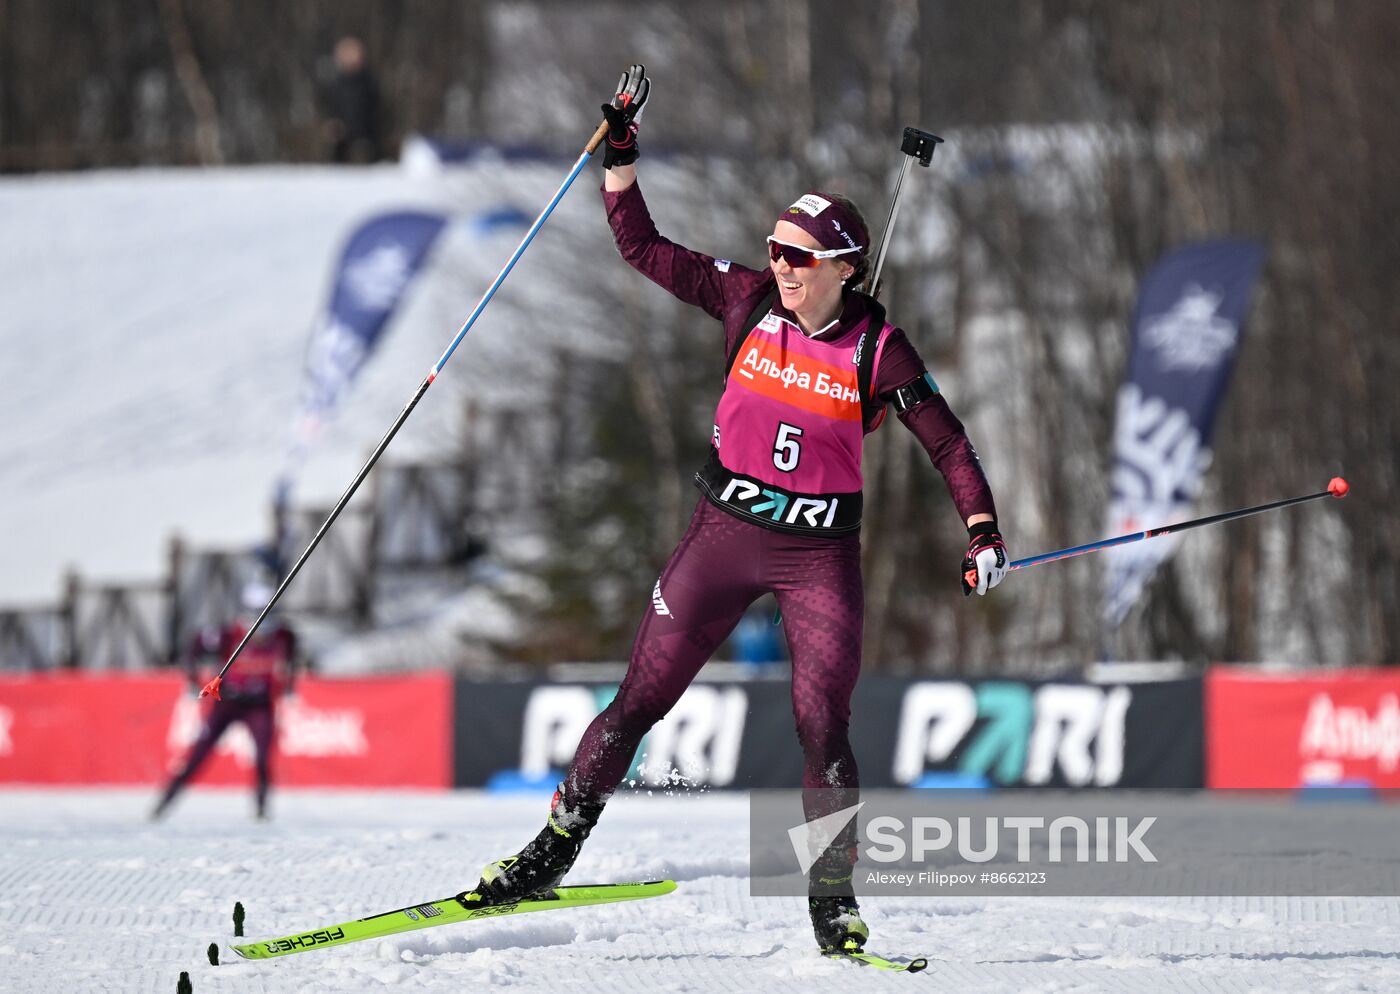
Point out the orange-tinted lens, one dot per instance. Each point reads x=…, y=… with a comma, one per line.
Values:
x=797, y=258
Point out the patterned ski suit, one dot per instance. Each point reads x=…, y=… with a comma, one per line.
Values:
x=780, y=505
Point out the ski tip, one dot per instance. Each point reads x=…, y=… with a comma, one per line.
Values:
x=655, y=888
x=636, y=888
x=878, y=962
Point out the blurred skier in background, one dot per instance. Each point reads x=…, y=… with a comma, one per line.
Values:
x=812, y=366
x=266, y=671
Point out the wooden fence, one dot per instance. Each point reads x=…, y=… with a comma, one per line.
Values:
x=411, y=518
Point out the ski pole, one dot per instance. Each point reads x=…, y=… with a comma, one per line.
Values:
x=211, y=689
x=1336, y=488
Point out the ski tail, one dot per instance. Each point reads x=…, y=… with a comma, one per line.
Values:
x=467, y=906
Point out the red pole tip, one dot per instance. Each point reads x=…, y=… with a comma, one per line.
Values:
x=1338, y=487
x=211, y=689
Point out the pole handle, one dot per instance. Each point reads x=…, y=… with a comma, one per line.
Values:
x=597, y=138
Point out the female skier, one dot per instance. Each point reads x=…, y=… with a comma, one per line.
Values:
x=811, y=366
x=250, y=693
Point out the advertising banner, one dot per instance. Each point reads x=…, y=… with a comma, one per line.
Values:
x=718, y=734
x=377, y=267
x=114, y=729
x=1279, y=731
x=423, y=731
x=1186, y=332
x=1035, y=734
x=903, y=732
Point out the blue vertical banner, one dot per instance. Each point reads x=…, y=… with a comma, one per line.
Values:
x=376, y=267
x=1186, y=332
x=379, y=261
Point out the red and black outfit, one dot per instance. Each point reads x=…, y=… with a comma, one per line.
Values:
x=249, y=692
x=729, y=557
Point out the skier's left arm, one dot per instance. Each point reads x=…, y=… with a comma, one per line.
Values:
x=902, y=380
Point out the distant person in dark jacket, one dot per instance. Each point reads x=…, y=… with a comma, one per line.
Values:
x=351, y=128
x=249, y=693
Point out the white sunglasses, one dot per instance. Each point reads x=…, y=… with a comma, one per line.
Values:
x=799, y=257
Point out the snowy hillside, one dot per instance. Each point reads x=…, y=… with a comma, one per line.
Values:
x=152, y=335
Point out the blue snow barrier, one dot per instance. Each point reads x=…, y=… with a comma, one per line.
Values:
x=952, y=780
x=515, y=782
x=503, y=218
x=1337, y=791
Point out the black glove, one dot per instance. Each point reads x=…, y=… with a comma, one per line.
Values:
x=620, y=149
x=985, y=563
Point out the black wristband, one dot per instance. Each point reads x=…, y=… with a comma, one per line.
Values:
x=984, y=528
x=615, y=156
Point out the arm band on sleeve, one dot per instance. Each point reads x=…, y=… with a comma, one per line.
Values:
x=915, y=392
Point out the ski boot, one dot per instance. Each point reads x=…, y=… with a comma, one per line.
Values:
x=831, y=901
x=837, y=924
x=545, y=860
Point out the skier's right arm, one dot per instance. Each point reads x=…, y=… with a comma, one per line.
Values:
x=690, y=276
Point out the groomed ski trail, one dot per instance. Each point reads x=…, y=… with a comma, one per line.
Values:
x=95, y=898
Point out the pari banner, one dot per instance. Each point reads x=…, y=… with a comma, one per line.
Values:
x=905, y=733
x=1186, y=332
x=376, y=267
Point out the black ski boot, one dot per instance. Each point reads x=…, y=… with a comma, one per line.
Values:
x=545, y=860
x=831, y=901
x=837, y=924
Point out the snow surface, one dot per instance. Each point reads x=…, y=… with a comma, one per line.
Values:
x=94, y=898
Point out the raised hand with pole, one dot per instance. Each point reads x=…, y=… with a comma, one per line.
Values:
x=211, y=689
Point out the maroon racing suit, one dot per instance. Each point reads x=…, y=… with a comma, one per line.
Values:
x=729, y=558
x=248, y=693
